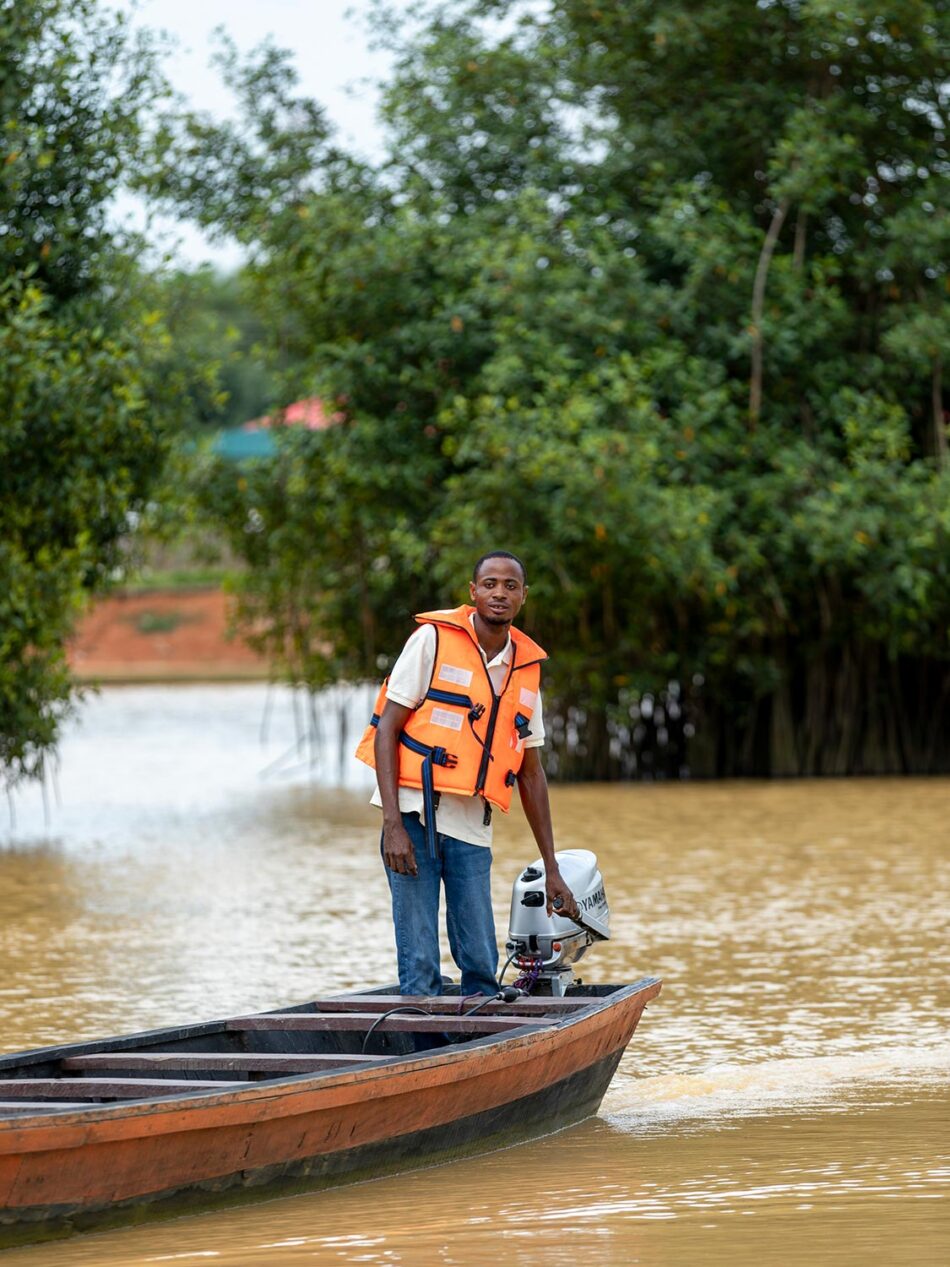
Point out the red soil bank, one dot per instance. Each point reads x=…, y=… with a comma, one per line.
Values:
x=162, y=636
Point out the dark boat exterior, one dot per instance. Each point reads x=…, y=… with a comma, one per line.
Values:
x=173, y=1119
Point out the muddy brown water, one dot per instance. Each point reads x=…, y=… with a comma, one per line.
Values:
x=784, y=1101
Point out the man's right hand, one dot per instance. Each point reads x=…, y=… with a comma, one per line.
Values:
x=398, y=853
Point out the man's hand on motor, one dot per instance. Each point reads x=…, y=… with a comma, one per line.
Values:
x=398, y=853
x=555, y=889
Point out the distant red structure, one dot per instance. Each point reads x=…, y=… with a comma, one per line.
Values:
x=254, y=439
x=309, y=413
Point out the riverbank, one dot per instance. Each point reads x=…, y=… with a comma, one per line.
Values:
x=180, y=635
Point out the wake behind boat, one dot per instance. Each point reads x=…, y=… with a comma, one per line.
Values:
x=335, y=1089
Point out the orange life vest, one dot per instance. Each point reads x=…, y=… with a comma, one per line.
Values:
x=462, y=737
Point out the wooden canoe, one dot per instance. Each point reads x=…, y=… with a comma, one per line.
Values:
x=325, y=1092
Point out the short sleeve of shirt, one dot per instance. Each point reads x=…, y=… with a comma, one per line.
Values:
x=412, y=672
x=536, y=738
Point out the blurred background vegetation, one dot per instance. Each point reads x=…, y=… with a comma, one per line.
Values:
x=655, y=296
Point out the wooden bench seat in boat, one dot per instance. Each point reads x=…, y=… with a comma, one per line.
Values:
x=402, y=1022
x=13, y=1107
x=278, y=1065
x=450, y=1005
x=108, y=1088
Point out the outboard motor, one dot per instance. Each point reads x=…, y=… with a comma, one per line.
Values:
x=545, y=948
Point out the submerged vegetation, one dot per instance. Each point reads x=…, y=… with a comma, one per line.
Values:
x=656, y=297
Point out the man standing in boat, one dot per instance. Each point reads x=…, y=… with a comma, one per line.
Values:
x=457, y=724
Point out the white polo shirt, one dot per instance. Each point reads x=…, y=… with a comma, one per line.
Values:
x=460, y=816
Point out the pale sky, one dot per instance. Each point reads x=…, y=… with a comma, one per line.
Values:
x=331, y=52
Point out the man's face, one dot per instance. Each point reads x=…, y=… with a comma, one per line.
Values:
x=499, y=592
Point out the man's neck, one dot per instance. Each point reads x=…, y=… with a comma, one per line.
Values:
x=491, y=638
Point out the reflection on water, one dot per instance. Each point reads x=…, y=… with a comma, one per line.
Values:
x=788, y=1089
x=855, y=1184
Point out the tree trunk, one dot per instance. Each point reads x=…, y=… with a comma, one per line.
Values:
x=940, y=430
x=758, y=305
x=801, y=236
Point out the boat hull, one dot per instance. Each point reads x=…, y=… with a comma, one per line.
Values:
x=67, y=1170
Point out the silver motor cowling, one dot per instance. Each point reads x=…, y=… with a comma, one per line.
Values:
x=545, y=947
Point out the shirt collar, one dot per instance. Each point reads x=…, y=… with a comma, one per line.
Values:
x=503, y=656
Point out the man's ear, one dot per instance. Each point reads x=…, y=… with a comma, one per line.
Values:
x=471, y=590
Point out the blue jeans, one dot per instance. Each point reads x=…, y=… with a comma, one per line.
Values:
x=464, y=869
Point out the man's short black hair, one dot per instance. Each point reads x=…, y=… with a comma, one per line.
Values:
x=500, y=554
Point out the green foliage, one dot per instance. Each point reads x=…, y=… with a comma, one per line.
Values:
x=213, y=339
x=74, y=84
x=656, y=296
x=149, y=622
x=195, y=577
x=86, y=398
x=245, y=178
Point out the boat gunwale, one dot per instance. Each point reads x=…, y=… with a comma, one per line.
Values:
x=182, y=1110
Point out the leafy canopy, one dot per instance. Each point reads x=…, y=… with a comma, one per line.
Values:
x=88, y=382
x=653, y=295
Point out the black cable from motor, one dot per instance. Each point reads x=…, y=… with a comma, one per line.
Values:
x=489, y=998
x=508, y=961
x=392, y=1012
x=508, y=995
x=500, y=997
x=466, y=998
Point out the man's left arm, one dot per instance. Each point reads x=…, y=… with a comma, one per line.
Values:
x=533, y=789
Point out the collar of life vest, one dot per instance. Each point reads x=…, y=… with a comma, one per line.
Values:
x=527, y=650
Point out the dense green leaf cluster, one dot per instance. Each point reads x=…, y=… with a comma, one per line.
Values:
x=87, y=379
x=656, y=296
x=214, y=334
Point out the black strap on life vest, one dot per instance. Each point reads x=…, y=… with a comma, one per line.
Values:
x=431, y=756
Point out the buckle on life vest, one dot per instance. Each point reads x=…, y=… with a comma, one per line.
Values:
x=510, y=778
x=441, y=757
x=522, y=725
x=477, y=711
